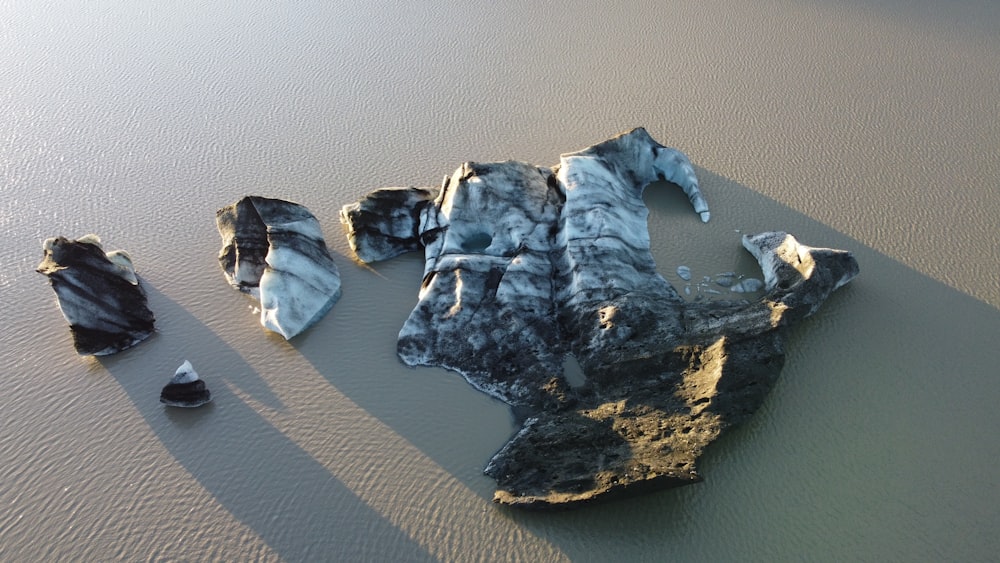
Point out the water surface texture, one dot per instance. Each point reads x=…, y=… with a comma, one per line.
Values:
x=867, y=125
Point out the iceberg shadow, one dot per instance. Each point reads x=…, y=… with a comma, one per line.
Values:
x=263, y=478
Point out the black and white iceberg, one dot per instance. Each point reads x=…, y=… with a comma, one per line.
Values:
x=185, y=389
x=98, y=293
x=274, y=250
x=527, y=267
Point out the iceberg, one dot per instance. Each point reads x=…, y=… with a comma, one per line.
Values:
x=274, y=251
x=186, y=389
x=99, y=294
x=528, y=265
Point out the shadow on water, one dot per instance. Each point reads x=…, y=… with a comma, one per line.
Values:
x=262, y=478
x=884, y=411
x=876, y=443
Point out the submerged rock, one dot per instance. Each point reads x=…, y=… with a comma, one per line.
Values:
x=99, y=294
x=274, y=250
x=185, y=389
x=526, y=264
x=747, y=285
x=725, y=280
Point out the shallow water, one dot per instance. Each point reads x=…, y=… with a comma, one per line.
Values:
x=864, y=125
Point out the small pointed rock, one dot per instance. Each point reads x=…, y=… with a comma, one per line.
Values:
x=185, y=389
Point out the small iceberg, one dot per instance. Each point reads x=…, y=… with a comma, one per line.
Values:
x=274, y=250
x=99, y=294
x=727, y=279
x=185, y=389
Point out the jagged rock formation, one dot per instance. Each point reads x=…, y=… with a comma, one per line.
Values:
x=185, y=389
x=274, y=250
x=99, y=294
x=526, y=264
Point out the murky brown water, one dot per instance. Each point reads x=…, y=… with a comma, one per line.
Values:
x=870, y=126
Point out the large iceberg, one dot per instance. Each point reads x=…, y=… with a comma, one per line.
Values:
x=99, y=294
x=274, y=250
x=527, y=267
